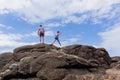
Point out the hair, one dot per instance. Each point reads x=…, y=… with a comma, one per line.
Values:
x=58, y=31
x=40, y=25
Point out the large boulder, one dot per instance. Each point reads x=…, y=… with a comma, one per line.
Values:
x=31, y=50
x=90, y=53
x=115, y=61
x=48, y=62
x=53, y=66
x=5, y=58
x=115, y=67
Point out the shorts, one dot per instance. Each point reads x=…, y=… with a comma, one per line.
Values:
x=56, y=37
x=41, y=34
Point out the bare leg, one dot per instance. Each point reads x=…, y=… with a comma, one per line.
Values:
x=42, y=39
x=53, y=41
x=59, y=42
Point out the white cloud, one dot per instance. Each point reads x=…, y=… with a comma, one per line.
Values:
x=75, y=19
x=6, y=27
x=73, y=40
x=70, y=41
x=43, y=10
x=1, y=25
x=32, y=34
x=10, y=41
x=8, y=46
x=10, y=36
x=111, y=39
x=49, y=33
x=50, y=25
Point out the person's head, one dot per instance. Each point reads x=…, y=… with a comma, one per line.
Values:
x=40, y=25
x=58, y=31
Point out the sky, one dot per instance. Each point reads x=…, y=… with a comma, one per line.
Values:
x=85, y=22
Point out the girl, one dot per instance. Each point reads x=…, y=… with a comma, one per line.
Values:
x=57, y=38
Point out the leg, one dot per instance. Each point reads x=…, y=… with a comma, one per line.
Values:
x=42, y=39
x=59, y=42
x=53, y=41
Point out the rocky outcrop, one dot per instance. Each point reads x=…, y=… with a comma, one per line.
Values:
x=115, y=67
x=90, y=53
x=5, y=58
x=48, y=62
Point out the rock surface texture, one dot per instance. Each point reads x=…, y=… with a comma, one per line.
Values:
x=48, y=62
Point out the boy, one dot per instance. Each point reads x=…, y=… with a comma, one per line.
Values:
x=41, y=33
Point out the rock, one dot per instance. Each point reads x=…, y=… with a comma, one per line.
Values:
x=48, y=62
x=24, y=65
x=8, y=65
x=10, y=71
x=52, y=74
x=117, y=67
x=31, y=50
x=92, y=77
x=115, y=59
x=115, y=62
x=90, y=53
x=27, y=79
x=113, y=72
x=5, y=58
x=56, y=63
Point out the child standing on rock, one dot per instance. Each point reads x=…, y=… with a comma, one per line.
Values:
x=41, y=32
x=57, y=38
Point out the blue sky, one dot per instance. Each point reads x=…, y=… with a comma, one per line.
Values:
x=86, y=22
